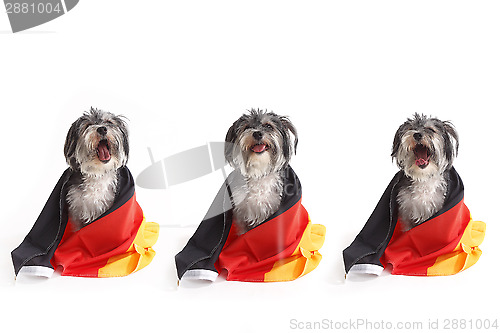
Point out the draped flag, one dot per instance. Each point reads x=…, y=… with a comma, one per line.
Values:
x=445, y=244
x=282, y=248
x=118, y=243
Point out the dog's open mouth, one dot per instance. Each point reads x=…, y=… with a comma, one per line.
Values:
x=103, y=151
x=421, y=156
x=259, y=148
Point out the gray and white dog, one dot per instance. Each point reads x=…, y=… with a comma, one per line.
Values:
x=424, y=148
x=259, y=147
x=96, y=147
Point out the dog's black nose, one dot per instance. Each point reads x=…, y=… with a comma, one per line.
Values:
x=102, y=130
x=417, y=136
x=257, y=135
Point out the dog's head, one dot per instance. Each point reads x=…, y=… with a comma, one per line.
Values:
x=259, y=142
x=424, y=147
x=97, y=143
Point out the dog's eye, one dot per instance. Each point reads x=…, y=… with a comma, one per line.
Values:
x=268, y=126
x=432, y=130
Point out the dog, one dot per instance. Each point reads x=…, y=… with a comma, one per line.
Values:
x=96, y=147
x=258, y=146
x=424, y=148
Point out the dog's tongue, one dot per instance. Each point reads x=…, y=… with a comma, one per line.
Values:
x=103, y=152
x=421, y=162
x=258, y=148
x=422, y=157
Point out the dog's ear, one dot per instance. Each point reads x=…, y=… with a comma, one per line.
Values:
x=229, y=142
x=451, y=140
x=126, y=147
x=70, y=144
x=396, y=144
x=122, y=126
x=290, y=127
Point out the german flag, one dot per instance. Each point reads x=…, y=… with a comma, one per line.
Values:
x=282, y=248
x=445, y=244
x=118, y=243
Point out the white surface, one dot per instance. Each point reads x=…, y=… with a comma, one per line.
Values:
x=348, y=73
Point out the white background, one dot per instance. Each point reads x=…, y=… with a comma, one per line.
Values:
x=348, y=73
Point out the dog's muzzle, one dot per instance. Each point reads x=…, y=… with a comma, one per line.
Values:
x=103, y=151
x=259, y=147
x=422, y=155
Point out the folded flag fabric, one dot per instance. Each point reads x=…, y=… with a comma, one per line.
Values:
x=118, y=243
x=282, y=248
x=445, y=244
